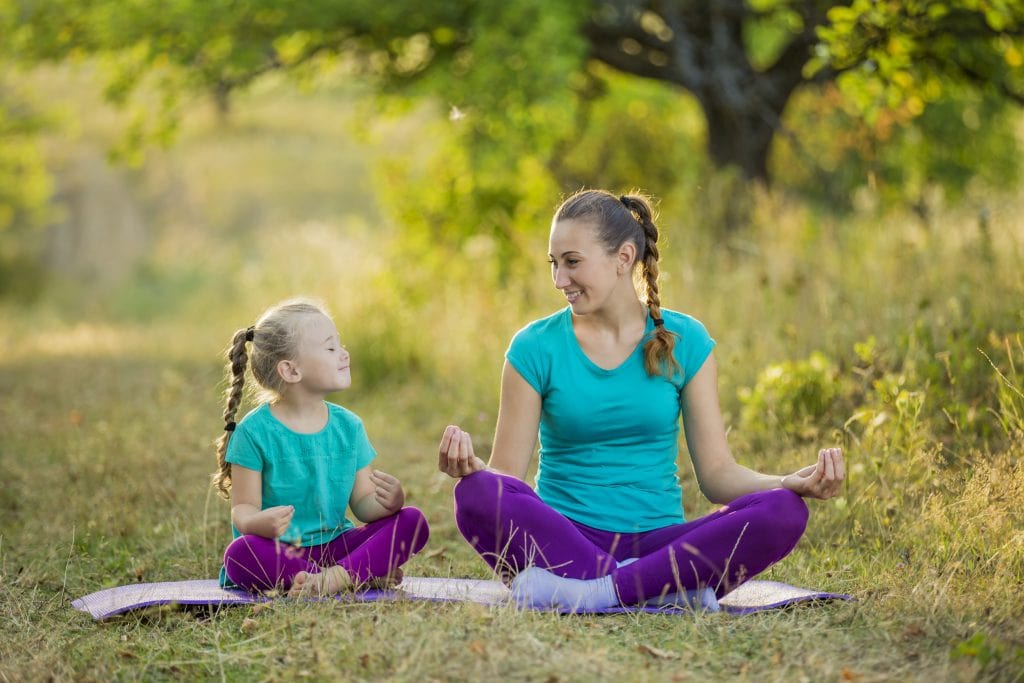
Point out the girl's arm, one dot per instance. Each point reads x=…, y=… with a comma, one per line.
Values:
x=246, y=503
x=515, y=436
x=720, y=477
x=375, y=495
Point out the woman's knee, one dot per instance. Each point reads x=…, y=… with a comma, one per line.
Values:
x=788, y=512
x=476, y=493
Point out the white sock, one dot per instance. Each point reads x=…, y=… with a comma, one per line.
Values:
x=540, y=589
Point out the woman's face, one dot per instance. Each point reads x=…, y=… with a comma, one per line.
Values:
x=581, y=267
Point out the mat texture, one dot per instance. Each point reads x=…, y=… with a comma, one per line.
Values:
x=753, y=596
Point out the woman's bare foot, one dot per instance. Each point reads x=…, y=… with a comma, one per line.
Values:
x=329, y=581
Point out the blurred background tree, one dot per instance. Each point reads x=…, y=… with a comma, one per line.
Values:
x=689, y=100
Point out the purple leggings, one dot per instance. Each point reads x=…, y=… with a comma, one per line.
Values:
x=371, y=551
x=512, y=528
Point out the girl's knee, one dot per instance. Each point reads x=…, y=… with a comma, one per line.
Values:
x=414, y=525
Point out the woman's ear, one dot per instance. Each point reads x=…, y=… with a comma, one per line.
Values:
x=626, y=258
x=289, y=371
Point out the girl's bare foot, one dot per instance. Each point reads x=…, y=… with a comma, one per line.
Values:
x=329, y=581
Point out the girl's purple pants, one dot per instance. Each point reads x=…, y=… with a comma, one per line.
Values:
x=512, y=528
x=371, y=551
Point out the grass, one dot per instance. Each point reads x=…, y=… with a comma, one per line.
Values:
x=110, y=399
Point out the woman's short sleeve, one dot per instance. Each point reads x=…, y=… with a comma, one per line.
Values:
x=693, y=347
x=526, y=354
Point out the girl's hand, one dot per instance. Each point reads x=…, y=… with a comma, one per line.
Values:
x=455, y=455
x=274, y=522
x=387, y=491
x=821, y=480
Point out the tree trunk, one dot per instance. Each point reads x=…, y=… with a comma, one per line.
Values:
x=699, y=46
x=738, y=139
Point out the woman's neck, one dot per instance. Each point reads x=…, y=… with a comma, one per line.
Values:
x=618, y=318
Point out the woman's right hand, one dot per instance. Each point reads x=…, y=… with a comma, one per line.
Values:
x=455, y=455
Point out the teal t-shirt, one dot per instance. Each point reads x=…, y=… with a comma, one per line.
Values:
x=608, y=438
x=313, y=472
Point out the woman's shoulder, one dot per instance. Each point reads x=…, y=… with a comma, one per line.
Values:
x=544, y=326
x=683, y=323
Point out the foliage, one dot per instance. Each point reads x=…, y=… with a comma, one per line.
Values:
x=896, y=55
x=844, y=162
x=957, y=62
x=792, y=395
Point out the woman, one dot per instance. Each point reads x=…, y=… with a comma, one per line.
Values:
x=605, y=382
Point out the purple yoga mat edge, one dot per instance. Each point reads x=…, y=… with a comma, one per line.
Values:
x=103, y=604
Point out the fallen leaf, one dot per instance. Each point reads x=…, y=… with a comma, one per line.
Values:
x=248, y=625
x=850, y=675
x=643, y=648
x=913, y=631
x=478, y=647
x=437, y=552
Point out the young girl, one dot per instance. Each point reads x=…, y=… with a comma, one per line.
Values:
x=293, y=463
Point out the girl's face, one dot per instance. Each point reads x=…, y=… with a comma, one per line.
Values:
x=321, y=359
x=582, y=268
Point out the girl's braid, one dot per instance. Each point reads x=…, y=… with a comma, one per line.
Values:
x=238, y=361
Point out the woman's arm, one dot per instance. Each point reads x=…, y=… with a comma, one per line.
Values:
x=515, y=436
x=375, y=495
x=246, y=503
x=720, y=477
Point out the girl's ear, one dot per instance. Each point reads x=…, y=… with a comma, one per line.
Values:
x=626, y=258
x=289, y=371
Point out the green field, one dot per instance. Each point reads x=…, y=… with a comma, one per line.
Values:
x=904, y=344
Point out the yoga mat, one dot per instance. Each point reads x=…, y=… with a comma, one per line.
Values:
x=752, y=596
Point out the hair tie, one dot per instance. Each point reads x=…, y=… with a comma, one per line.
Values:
x=230, y=427
x=658, y=322
x=250, y=334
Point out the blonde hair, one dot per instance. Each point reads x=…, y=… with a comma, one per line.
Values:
x=629, y=218
x=274, y=337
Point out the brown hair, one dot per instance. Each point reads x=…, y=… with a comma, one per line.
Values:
x=629, y=218
x=274, y=338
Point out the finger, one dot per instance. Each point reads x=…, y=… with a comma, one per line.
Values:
x=446, y=437
x=385, y=478
x=840, y=465
x=830, y=466
x=805, y=472
x=467, y=445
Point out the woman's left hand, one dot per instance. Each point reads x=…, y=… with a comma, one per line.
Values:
x=387, y=491
x=821, y=480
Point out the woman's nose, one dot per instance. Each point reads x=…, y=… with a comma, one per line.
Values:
x=558, y=275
